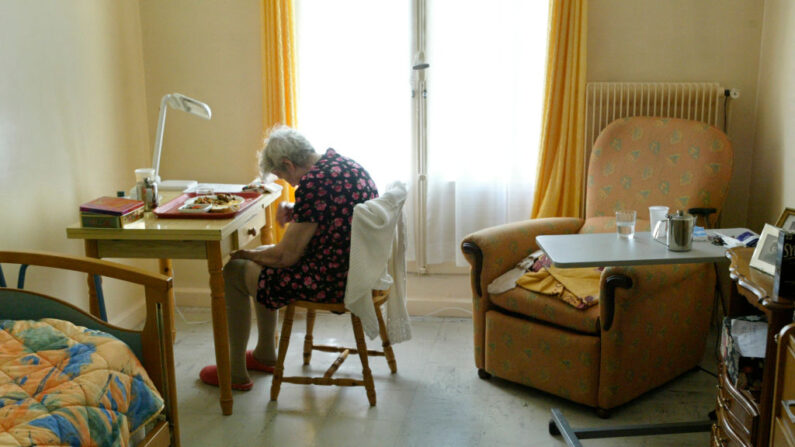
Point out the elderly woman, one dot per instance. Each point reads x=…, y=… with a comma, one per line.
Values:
x=309, y=263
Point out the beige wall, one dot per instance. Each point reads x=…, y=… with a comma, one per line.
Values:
x=72, y=125
x=79, y=106
x=773, y=172
x=210, y=51
x=686, y=40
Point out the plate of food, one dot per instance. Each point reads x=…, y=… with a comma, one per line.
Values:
x=219, y=202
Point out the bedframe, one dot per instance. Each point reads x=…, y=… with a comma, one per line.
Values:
x=152, y=345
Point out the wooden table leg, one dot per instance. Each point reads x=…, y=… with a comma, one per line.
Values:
x=92, y=251
x=266, y=235
x=220, y=330
x=167, y=269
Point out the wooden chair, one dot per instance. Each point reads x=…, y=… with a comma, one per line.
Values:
x=379, y=298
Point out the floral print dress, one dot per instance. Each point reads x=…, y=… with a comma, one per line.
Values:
x=326, y=195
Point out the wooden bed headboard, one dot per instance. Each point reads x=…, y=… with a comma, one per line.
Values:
x=152, y=344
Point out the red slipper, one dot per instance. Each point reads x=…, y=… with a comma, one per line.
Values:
x=253, y=365
x=209, y=375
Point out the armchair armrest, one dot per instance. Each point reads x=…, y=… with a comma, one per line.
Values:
x=495, y=250
x=640, y=281
x=654, y=323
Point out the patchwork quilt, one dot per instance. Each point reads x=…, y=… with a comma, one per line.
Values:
x=65, y=385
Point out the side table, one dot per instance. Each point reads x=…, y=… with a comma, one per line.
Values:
x=742, y=418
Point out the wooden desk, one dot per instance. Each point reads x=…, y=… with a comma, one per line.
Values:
x=167, y=239
x=782, y=424
x=744, y=419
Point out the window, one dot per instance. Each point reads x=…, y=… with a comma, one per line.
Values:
x=463, y=133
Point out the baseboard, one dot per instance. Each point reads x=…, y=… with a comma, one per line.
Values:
x=417, y=306
x=445, y=307
x=133, y=317
x=192, y=296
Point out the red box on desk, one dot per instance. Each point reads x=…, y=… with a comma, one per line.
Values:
x=110, y=212
x=117, y=206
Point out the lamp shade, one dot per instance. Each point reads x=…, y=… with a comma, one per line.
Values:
x=180, y=102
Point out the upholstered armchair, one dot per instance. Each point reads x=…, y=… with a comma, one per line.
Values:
x=651, y=322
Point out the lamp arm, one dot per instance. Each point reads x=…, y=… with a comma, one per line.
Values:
x=161, y=125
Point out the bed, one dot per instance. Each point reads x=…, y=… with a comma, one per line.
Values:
x=68, y=378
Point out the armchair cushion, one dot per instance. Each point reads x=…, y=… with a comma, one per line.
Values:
x=642, y=161
x=548, y=309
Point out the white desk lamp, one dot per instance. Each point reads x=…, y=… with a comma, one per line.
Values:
x=180, y=102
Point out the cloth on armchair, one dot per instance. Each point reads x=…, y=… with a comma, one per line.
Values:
x=651, y=322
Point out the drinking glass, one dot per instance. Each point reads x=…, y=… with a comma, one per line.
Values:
x=625, y=224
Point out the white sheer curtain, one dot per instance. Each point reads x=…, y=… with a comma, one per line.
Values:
x=485, y=97
x=485, y=88
x=354, y=90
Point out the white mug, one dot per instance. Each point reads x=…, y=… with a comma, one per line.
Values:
x=656, y=214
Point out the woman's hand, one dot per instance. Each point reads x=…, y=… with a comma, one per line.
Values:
x=255, y=254
x=285, y=213
x=242, y=254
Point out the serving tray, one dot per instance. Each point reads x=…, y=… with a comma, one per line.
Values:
x=170, y=209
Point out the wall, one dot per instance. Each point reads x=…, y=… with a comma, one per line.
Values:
x=686, y=40
x=210, y=51
x=72, y=126
x=772, y=179
x=80, y=104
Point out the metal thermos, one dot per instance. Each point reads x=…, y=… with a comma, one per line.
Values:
x=678, y=231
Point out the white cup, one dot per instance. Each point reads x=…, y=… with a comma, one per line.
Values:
x=656, y=214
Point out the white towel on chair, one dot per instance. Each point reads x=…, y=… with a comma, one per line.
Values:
x=378, y=229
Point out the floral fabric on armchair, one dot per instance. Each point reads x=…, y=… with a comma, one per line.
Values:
x=651, y=322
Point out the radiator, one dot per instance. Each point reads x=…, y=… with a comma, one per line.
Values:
x=606, y=102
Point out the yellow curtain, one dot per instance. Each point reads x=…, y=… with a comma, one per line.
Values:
x=559, y=183
x=278, y=68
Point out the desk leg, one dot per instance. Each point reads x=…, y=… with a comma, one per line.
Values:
x=92, y=251
x=215, y=266
x=266, y=235
x=167, y=269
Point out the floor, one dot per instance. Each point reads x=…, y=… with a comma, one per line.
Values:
x=435, y=399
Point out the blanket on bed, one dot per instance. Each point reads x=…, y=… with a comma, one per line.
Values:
x=65, y=385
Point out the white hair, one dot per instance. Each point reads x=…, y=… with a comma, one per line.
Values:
x=284, y=142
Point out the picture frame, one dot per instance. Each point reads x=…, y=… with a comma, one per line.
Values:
x=787, y=220
x=766, y=251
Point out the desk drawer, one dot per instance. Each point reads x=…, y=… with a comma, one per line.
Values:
x=739, y=407
x=782, y=434
x=251, y=230
x=784, y=404
x=724, y=433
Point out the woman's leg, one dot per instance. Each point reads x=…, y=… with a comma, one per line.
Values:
x=240, y=280
x=239, y=317
x=265, y=352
